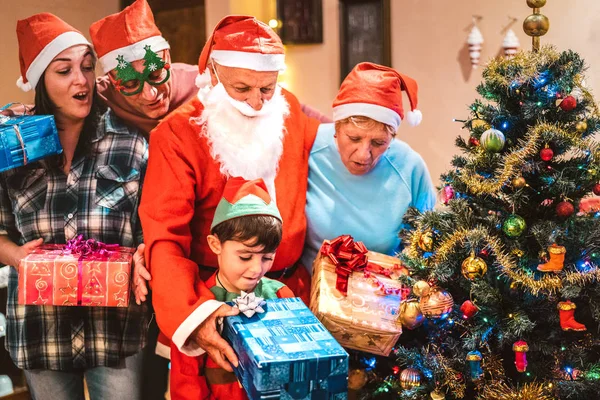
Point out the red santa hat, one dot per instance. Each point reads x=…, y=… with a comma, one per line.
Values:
x=242, y=41
x=374, y=91
x=126, y=34
x=42, y=37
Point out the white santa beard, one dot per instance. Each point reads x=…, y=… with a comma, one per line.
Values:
x=248, y=147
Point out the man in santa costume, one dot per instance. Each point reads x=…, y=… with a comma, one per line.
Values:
x=240, y=124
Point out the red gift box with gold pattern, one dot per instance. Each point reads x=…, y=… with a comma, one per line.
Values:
x=356, y=294
x=58, y=275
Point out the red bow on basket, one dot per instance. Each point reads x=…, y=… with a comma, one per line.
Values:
x=349, y=256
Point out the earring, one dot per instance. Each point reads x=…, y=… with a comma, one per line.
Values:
x=335, y=135
x=511, y=43
x=475, y=40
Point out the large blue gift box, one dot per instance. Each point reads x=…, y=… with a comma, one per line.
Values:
x=27, y=138
x=286, y=353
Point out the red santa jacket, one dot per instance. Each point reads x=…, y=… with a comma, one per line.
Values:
x=182, y=188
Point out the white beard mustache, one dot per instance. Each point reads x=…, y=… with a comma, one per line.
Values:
x=246, y=146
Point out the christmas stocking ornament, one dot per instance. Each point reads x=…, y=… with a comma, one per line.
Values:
x=521, y=348
x=566, y=310
x=557, y=259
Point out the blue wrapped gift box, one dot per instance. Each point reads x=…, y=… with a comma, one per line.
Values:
x=27, y=138
x=286, y=353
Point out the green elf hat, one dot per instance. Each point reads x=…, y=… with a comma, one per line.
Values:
x=242, y=198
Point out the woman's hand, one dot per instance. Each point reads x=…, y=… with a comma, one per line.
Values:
x=22, y=251
x=140, y=275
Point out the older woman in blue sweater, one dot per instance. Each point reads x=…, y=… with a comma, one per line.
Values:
x=361, y=180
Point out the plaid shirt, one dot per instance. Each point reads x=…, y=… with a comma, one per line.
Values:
x=99, y=199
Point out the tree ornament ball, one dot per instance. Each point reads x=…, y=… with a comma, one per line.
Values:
x=581, y=126
x=426, y=241
x=492, y=140
x=546, y=154
x=596, y=189
x=468, y=309
x=357, y=379
x=411, y=316
x=514, y=226
x=410, y=378
x=518, y=182
x=536, y=25
x=536, y=3
x=473, y=267
x=473, y=142
x=421, y=288
x=568, y=104
x=437, y=304
x=564, y=209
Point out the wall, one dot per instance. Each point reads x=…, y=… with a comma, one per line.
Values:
x=80, y=14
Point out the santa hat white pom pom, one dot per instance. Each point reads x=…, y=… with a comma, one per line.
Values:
x=26, y=87
x=414, y=117
x=203, y=79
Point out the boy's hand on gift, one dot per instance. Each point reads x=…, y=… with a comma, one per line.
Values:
x=24, y=250
x=140, y=275
x=208, y=338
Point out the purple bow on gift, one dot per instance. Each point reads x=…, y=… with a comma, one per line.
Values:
x=86, y=248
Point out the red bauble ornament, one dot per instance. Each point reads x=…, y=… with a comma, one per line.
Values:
x=485, y=252
x=568, y=104
x=564, y=209
x=167, y=66
x=473, y=142
x=546, y=154
x=468, y=309
x=596, y=189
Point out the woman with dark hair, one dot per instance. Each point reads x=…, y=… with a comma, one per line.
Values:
x=91, y=189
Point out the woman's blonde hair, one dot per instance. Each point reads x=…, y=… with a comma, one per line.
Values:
x=365, y=123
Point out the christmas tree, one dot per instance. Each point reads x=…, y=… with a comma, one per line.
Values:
x=506, y=271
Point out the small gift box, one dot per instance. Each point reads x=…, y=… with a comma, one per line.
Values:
x=80, y=273
x=286, y=353
x=26, y=138
x=356, y=295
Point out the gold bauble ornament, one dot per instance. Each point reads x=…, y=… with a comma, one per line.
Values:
x=518, y=182
x=357, y=379
x=426, y=241
x=473, y=267
x=436, y=304
x=536, y=25
x=536, y=3
x=410, y=378
x=411, y=316
x=437, y=395
x=421, y=288
x=518, y=252
x=581, y=126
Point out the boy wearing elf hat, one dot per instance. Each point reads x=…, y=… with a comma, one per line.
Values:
x=245, y=233
x=240, y=124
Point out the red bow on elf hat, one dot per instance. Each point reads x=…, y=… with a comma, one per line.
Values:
x=375, y=91
x=242, y=41
x=126, y=34
x=42, y=37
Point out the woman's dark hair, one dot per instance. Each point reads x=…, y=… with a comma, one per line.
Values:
x=45, y=106
x=264, y=230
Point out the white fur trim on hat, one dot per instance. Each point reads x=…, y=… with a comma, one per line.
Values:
x=203, y=79
x=247, y=60
x=45, y=57
x=378, y=113
x=26, y=87
x=133, y=52
x=413, y=118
